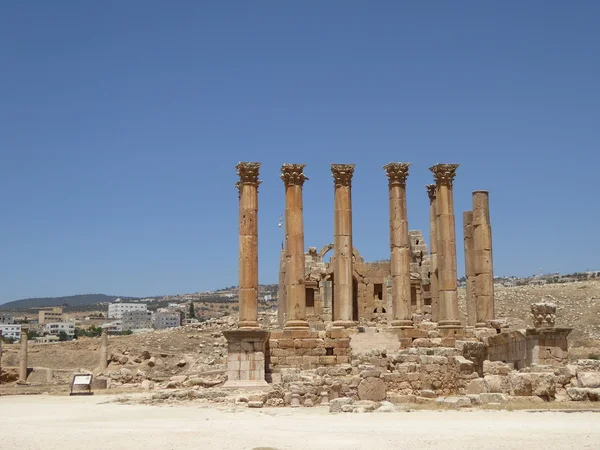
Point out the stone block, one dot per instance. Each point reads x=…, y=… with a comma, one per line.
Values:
x=335, y=405
x=492, y=397
x=454, y=402
x=477, y=386
x=372, y=388
x=588, y=379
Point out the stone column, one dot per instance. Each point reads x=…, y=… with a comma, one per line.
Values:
x=342, y=271
x=293, y=178
x=399, y=245
x=248, y=243
x=446, y=251
x=469, y=269
x=23, y=356
x=435, y=296
x=103, y=350
x=483, y=265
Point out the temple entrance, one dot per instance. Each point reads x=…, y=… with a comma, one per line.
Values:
x=354, y=298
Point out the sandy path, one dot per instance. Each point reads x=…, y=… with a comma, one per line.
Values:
x=48, y=422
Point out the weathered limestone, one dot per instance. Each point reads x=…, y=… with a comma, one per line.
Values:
x=343, y=273
x=482, y=258
x=469, y=268
x=248, y=243
x=23, y=357
x=103, y=350
x=446, y=251
x=246, y=350
x=293, y=178
x=543, y=314
x=435, y=296
x=399, y=245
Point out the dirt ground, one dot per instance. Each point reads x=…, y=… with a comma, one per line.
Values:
x=60, y=422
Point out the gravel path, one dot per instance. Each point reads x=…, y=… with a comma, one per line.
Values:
x=53, y=422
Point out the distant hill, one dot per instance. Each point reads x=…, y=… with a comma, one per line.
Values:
x=72, y=300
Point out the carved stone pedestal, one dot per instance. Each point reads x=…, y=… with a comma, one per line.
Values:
x=246, y=358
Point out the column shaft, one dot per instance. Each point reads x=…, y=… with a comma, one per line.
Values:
x=342, y=240
x=483, y=263
x=248, y=245
x=103, y=350
x=23, y=356
x=433, y=278
x=293, y=178
x=399, y=245
x=469, y=269
x=446, y=250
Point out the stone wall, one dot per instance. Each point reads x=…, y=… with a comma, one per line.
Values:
x=305, y=349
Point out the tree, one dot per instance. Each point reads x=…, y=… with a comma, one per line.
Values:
x=192, y=312
x=63, y=336
x=32, y=334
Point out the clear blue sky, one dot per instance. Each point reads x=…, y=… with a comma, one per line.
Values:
x=121, y=123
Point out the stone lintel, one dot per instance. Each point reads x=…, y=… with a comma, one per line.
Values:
x=546, y=331
x=246, y=335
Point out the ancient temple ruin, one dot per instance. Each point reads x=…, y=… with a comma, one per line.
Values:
x=330, y=312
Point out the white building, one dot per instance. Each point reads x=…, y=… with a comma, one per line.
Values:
x=6, y=318
x=10, y=330
x=54, y=328
x=136, y=320
x=166, y=319
x=116, y=310
x=113, y=327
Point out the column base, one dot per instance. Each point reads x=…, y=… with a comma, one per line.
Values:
x=402, y=324
x=451, y=324
x=344, y=323
x=296, y=325
x=246, y=357
x=249, y=324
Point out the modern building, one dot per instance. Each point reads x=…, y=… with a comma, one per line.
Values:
x=6, y=318
x=55, y=328
x=46, y=339
x=166, y=319
x=53, y=315
x=136, y=320
x=10, y=330
x=116, y=310
x=113, y=327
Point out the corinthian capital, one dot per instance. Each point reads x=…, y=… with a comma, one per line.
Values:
x=342, y=174
x=293, y=174
x=444, y=173
x=397, y=173
x=431, y=191
x=248, y=173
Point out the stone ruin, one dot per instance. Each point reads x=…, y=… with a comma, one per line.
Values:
x=362, y=336
x=352, y=331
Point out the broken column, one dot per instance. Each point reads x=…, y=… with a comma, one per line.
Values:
x=103, y=350
x=399, y=245
x=248, y=244
x=23, y=357
x=469, y=269
x=342, y=272
x=446, y=250
x=293, y=178
x=433, y=278
x=482, y=263
x=247, y=345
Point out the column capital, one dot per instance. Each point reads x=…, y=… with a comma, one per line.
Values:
x=342, y=174
x=444, y=173
x=293, y=174
x=431, y=191
x=397, y=173
x=248, y=173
